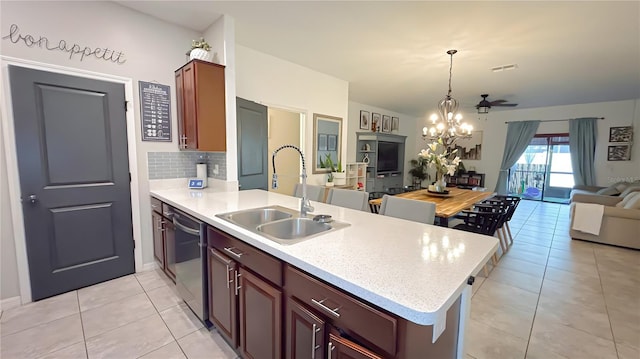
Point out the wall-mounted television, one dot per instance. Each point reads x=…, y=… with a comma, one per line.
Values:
x=388, y=157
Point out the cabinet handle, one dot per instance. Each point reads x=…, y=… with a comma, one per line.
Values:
x=230, y=251
x=314, y=347
x=319, y=304
x=331, y=347
x=238, y=286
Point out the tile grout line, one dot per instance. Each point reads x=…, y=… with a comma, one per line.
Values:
x=163, y=321
x=606, y=307
x=84, y=338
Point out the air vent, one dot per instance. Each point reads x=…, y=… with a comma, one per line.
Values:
x=504, y=68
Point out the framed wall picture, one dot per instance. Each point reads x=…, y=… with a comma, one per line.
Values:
x=469, y=148
x=364, y=120
x=619, y=153
x=376, y=121
x=386, y=123
x=621, y=134
x=395, y=124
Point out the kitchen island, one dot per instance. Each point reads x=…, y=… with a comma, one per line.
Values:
x=414, y=271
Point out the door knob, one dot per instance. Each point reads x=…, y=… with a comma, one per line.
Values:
x=33, y=198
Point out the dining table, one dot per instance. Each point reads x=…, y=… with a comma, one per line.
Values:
x=448, y=204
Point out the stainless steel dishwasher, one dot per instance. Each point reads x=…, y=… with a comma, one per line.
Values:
x=191, y=263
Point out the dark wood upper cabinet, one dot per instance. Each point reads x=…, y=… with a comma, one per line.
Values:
x=260, y=318
x=305, y=332
x=222, y=295
x=200, y=96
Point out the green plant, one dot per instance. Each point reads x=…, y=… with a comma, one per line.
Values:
x=328, y=163
x=200, y=45
x=437, y=157
x=330, y=177
x=418, y=170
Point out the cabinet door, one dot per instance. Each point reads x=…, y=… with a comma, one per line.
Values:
x=223, y=308
x=260, y=318
x=180, y=103
x=341, y=348
x=190, y=114
x=170, y=249
x=158, y=237
x=305, y=332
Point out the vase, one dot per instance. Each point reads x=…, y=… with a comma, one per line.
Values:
x=201, y=54
x=340, y=178
x=440, y=184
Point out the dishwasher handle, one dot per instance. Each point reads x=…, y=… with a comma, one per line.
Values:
x=182, y=227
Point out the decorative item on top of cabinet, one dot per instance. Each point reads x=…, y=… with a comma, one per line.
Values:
x=200, y=96
x=200, y=50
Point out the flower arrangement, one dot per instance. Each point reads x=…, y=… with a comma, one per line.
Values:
x=200, y=44
x=437, y=157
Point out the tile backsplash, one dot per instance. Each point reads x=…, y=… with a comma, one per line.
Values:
x=182, y=164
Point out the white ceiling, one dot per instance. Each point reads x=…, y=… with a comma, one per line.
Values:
x=393, y=53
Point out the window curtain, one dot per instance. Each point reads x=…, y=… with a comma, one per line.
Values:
x=582, y=145
x=519, y=135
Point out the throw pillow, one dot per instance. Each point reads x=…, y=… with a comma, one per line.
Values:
x=626, y=199
x=629, y=189
x=634, y=202
x=608, y=191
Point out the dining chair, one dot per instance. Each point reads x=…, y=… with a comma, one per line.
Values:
x=503, y=206
x=314, y=193
x=348, y=198
x=375, y=208
x=409, y=209
x=513, y=205
x=484, y=220
x=395, y=190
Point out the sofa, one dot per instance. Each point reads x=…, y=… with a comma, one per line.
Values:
x=616, y=189
x=620, y=219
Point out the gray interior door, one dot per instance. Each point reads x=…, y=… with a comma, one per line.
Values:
x=74, y=177
x=253, y=170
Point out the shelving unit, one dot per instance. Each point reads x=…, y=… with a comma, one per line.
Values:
x=357, y=175
x=368, y=148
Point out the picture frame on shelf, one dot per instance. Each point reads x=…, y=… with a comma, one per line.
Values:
x=364, y=120
x=386, y=123
x=376, y=121
x=395, y=124
x=619, y=153
x=621, y=134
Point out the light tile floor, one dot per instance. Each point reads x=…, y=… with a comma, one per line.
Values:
x=548, y=297
x=552, y=297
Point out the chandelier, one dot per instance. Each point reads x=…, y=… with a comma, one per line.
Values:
x=447, y=123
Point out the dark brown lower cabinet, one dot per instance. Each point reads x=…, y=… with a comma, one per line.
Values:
x=170, y=249
x=342, y=348
x=222, y=295
x=260, y=317
x=305, y=332
x=158, y=237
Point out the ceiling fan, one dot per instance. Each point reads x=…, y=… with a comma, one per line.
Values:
x=484, y=105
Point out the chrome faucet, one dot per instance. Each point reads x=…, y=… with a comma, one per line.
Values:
x=305, y=205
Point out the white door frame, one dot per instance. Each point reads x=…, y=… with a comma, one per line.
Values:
x=8, y=132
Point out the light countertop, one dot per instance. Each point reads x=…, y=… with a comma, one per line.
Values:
x=413, y=270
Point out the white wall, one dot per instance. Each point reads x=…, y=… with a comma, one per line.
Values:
x=409, y=126
x=153, y=49
x=284, y=128
x=278, y=83
x=616, y=113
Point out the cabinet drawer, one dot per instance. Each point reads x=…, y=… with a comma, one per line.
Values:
x=156, y=205
x=261, y=263
x=341, y=310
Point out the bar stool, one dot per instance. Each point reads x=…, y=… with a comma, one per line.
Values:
x=409, y=209
x=348, y=198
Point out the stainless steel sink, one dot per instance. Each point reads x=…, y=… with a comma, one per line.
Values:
x=281, y=224
x=293, y=228
x=252, y=218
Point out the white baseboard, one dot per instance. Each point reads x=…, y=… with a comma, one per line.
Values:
x=8, y=303
x=149, y=266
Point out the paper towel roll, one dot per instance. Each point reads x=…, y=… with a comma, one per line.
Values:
x=201, y=172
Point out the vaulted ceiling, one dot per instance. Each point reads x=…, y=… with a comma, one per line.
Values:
x=393, y=53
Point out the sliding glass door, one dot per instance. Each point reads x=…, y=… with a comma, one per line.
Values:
x=544, y=171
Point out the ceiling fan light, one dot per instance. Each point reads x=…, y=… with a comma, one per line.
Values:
x=483, y=109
